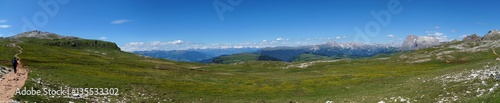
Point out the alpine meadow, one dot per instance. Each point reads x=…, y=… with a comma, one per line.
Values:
x=249, y=51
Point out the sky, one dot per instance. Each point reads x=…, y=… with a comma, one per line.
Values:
x=197, y=24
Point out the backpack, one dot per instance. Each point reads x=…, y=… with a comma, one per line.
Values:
x=14, y=61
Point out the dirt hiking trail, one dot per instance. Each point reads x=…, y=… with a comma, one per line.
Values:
x=12, y=81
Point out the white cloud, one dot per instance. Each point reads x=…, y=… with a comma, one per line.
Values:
x=439, y=36
x=4, y=26
x=338, y=37
x=135, y=44
x=156, y=45
x=120, y=21
x=391, y=36
x=453, y=30
x=463, y=36
x=3, y=21
x=103, y=38
x=437, y=27
x=176, y=42
x=183, y=45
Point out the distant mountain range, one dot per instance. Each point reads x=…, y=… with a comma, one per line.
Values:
x=330, y=50
x=177, y=55
x=288, y=54
x=194, y=55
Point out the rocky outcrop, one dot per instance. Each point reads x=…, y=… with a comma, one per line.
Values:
x=472, y=38
x=52, y=39
x=409, y=43
x=492, y=35
x=41, y=35
x=413, y=42
x=4, y=71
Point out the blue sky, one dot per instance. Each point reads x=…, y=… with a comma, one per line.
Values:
x=184, y=24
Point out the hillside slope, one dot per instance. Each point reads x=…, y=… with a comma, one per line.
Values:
x=82, y=63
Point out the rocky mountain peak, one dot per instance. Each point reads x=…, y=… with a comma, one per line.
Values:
x=413, y=42
x=332, y=43
x=472, y=38
x=492, y=35
x=40, y=35
x=494, y=31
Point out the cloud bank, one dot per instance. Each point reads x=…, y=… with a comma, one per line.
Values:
x=120, y=21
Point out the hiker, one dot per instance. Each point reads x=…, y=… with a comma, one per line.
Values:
x=14, y=64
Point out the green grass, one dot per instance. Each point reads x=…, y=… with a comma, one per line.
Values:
x=310, y=57
x=348, y=80
x=242, y=57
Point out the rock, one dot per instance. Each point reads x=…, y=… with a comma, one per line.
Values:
x=472, y=38
x=413, y=42
x=76, y=95
x=492, y=35
x=4, y=70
